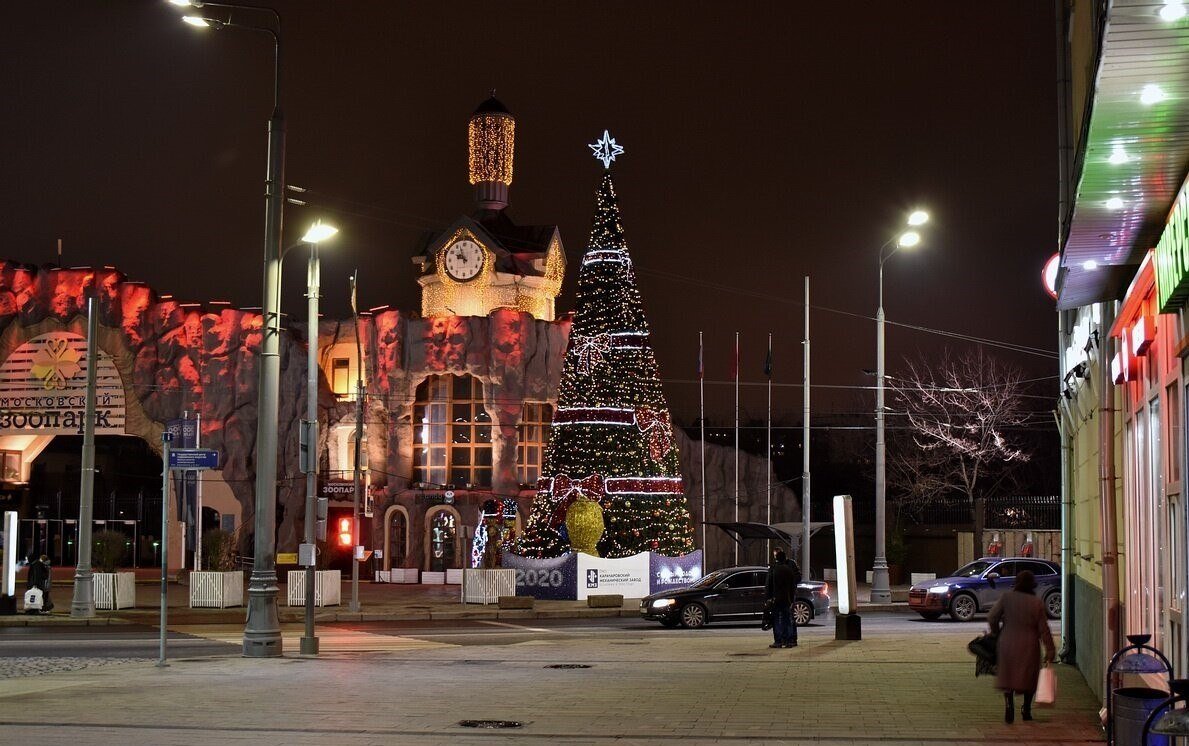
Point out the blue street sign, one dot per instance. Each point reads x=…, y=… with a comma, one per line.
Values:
x=193, y=458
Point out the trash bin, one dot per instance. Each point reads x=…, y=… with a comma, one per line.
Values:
x=1132, y=706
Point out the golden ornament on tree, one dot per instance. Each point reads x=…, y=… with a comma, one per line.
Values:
x=584, y=523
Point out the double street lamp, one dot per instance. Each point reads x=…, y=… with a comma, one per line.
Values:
x=881, y=590
x=262, y=632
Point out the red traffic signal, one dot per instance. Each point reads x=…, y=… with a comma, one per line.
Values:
x=345, y=538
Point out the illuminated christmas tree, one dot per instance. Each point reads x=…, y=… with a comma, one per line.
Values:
x=611, y=483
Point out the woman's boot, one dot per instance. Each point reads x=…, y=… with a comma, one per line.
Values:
x=1009, y=711
x=1026, y=710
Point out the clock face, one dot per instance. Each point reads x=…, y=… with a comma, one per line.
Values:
x=464, y=260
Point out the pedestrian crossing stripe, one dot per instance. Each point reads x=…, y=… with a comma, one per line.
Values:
x=330, y=639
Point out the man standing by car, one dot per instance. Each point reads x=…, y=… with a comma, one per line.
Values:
x=781, y=589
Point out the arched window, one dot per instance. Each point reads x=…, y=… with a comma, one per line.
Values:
x=452, y=433
x=532, y=434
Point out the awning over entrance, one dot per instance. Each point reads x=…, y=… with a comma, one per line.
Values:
x=787, y=533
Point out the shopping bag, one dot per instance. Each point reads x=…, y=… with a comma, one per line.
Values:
x=1046, y=687
x=33, y=600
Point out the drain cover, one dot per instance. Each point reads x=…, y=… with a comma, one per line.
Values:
x=490, y=723
x=568, y=665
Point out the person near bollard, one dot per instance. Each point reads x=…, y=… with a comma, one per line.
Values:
x=39, y=577
x=781, y=590
x=1019, y=620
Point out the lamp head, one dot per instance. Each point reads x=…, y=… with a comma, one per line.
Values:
x=196, y=21
x=185, y=3
x=319, y=232
x=908, y=239
x=918, y=217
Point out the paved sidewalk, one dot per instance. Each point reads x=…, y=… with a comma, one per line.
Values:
x=898, y=686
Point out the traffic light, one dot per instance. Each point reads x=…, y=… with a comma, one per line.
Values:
x=320, y=525
x=345, y=538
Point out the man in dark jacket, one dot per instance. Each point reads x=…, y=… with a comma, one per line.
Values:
x=781, y=591
x=39, y=577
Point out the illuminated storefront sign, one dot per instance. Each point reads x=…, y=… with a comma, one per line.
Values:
x=43, y=388
x=1172, y=255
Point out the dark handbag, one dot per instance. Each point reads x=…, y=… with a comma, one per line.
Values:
x=766, y=616
x=985, y=649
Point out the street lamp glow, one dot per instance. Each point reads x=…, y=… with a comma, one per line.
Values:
x=1114, y=203
x=319, y=232
x=1118, y=156
x=183, y=3
x=196, y=21
x=908, y=239
x=1173, y=10
x=1090, y=265
x=1152, y=94
x=918, y=217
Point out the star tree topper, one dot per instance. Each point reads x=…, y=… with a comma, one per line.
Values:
x=606, y=149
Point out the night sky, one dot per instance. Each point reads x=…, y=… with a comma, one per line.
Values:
x=765, y=142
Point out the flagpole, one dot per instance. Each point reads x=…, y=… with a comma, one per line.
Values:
x=805, y=502
x=768, y=371
x=702, y=423
x=736, y=441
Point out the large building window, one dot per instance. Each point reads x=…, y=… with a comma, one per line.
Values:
x=533, y=435
x=10, y=466
x=452, y=433
x=340, y=377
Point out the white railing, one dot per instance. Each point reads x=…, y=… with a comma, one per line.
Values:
x=115, y=590
x=486, y=586
x=216, y=590
x=328, y=588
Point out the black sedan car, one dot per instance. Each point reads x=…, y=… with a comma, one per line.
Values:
x=735, y=594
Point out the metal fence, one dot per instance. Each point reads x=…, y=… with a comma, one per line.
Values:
x=1008, y=512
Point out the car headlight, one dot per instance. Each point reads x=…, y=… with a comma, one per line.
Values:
x=940, y=589
x=661, y=603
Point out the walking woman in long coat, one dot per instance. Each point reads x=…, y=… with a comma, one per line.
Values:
x=1020, y=621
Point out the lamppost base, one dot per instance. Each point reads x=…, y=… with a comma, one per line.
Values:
x=262, y=633
x=82, y=604
x=848, y=627
x=881, y=589
x=309, y=646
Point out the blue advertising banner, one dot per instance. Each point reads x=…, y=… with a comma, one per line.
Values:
x=555, y=578
x=667, y=573
x=633, y=577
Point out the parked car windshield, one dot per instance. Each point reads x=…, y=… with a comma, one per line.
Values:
x=709, y=580
x=974, y=569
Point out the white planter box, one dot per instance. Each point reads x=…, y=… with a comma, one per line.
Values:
x=486, y=586
x=216, y=590
x=383, y=576
x=115, y=590
x=405, y=574
x=454, y=577
x=433, y=578
x=870, y=577
x=921, y=577
x=328, y=588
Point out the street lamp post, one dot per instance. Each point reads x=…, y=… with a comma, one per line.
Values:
x=881, y=590
x=317, y=233
x=262, y=631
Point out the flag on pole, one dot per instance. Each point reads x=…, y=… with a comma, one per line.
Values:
x=701, y=369
x=735, y=369
x=768, y=359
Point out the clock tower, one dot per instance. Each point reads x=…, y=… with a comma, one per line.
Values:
x=484, y=261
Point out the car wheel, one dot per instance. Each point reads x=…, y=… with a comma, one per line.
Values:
x=1053, y=605
x=802, y=613
x=963, y=607
x=670, y=623
x=693, y=616
x=930, y=615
